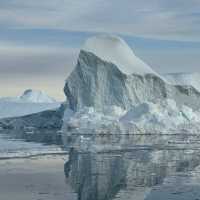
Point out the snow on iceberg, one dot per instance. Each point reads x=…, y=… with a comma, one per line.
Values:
x=146, y=117
x=115, y=50
x=109, y=74
x=112, y=91
x=165, y=115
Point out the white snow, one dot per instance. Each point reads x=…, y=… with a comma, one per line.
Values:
x=192, y=79
x=115, y=50
x=161, y=116
x=164, y=116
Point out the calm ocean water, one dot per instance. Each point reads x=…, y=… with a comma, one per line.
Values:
x=10, y=147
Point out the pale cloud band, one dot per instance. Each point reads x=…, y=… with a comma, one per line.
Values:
x=167, y=19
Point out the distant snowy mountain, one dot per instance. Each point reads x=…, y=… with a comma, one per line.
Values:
x=31, y=101
x=192, y=79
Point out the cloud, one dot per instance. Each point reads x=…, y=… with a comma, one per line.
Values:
x=37, y=67
x=172, y=19
x=33, y=60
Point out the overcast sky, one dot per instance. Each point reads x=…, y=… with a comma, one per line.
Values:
x=40, y=40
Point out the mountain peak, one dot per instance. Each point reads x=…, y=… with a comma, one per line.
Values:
x=113, y=49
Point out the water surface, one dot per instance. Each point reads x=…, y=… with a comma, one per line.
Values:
x=139, y=167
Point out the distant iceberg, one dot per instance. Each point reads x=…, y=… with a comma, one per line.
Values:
x=31, y=101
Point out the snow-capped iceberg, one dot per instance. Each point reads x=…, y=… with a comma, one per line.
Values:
x=115, y=50
x=109, y=74
x=113, y=91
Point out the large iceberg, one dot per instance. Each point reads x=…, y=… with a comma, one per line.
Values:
x=109, y=74
x=110, y=81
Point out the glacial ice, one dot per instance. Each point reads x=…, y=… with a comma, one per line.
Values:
x=99, y=82
x=106, y=95
x=163, y=117
x=115, y=50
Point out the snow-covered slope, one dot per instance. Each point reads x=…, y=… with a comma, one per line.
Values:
x=115, y=50
x=30, y=102
x=192, y=79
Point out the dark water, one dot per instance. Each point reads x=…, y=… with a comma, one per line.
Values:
x=140, y=167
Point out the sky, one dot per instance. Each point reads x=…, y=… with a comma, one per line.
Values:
x=40, y=40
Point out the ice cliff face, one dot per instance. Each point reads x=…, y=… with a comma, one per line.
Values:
x=109, y=74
